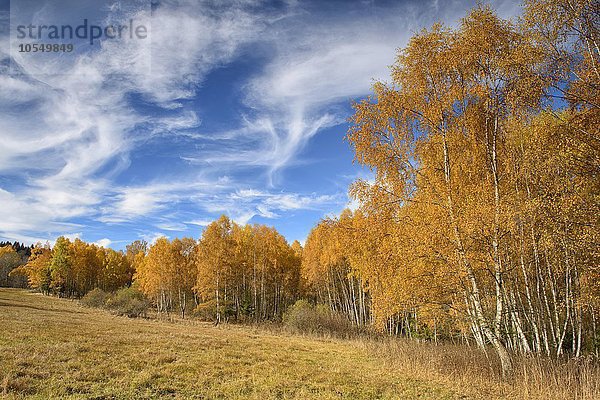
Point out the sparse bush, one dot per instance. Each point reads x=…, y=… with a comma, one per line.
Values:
x=303, y=317
x=128, y=301
x=95, y=298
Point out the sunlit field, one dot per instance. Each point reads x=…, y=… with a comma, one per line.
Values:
x=56, y=348
x=53, y=348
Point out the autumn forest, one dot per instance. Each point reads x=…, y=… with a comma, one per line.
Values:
x=480, y=227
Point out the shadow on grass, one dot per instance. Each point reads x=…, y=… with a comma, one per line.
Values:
x=17, y=305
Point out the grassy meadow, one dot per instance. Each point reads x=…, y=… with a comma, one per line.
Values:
x=56, y=348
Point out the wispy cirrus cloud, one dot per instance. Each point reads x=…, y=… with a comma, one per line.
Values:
x=66, y=136
x=199, y=222
x=308, y=72
x=70, y=144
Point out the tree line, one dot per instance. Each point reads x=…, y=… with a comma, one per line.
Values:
x=246, y=272
x=482, y=218
x=73, y=268
x=242, y=272
x=12, y=255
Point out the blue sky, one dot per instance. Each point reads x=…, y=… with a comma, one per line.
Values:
x=230, y=107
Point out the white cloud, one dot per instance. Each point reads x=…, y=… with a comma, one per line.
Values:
x=171, y=226
x=22, y=214
x=295, y=202
x=105, y=242
x=244, y=204
x=263, y=211
x=242, y=217
x=134, y=202
x=152, y=237
x=199, y=222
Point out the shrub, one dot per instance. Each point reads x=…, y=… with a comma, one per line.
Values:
x=303, y=317
x=128, y=301
x=95, y=298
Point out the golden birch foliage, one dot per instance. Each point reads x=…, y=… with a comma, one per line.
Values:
x=37, y=268
x=185, y=263
x=480, y=189
x=87, y=266
x=9, y=260
x=153, y=273
x=61, y=267
x=117, y=271
x=215, y=256
x=135, y=248
x=568, y=32
x=246, y=271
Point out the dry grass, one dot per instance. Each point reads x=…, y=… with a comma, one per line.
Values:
x=478, y=374
x=54, y=348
